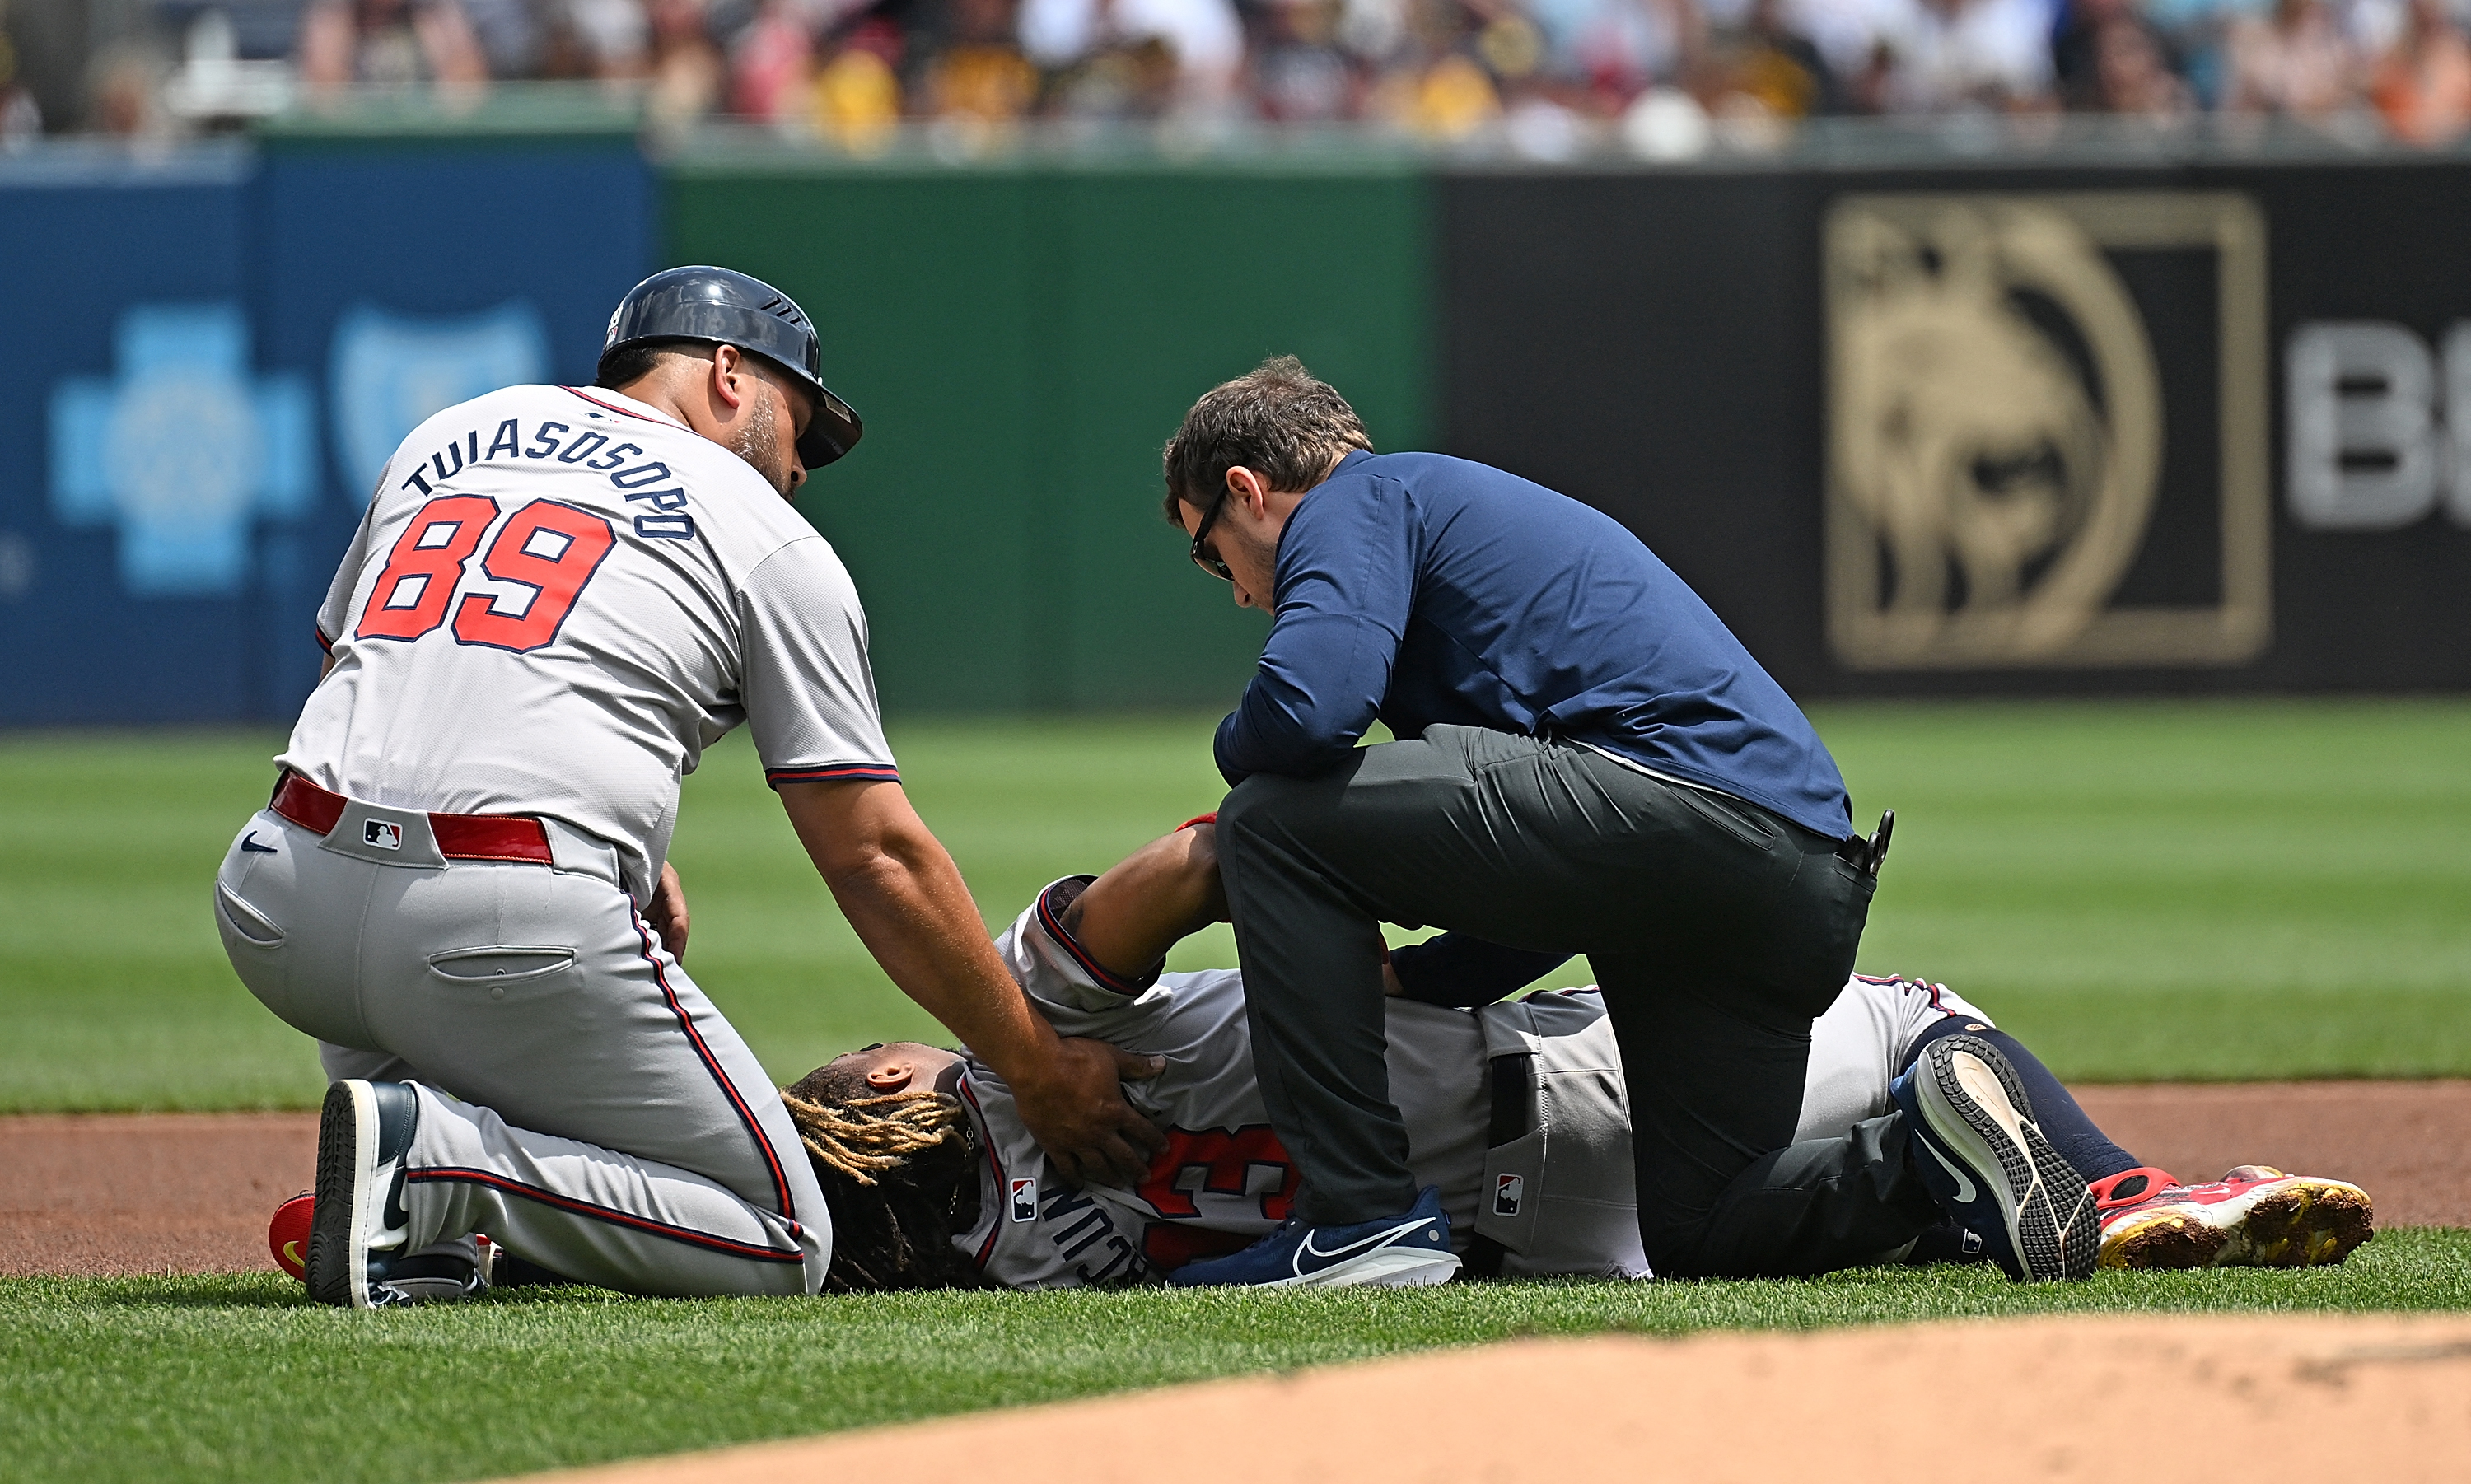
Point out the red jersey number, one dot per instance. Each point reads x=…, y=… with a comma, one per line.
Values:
x=1222, y=1161
x=412, y=594
x=547, y=547
x=554, y=549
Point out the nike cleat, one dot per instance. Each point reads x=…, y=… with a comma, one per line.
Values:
x=1408, y=1251
x=2256, y=1216
x=364, y=1133
x=1978, y=1149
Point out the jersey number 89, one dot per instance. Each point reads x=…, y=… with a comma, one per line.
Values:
x=549, y=548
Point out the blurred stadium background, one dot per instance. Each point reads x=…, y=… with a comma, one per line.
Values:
x=2070, y=399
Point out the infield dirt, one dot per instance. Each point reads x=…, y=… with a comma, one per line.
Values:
x=2075, y=1397
x=104, y=1194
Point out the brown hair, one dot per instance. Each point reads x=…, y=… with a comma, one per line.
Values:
x=1276, y=420
x=898, y=1174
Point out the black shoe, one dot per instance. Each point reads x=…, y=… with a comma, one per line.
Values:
x=363, y=1132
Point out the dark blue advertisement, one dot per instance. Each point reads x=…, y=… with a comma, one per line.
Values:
x=217, y=354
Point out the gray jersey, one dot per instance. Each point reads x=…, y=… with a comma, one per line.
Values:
x=557, y=599
x=1558, y=1197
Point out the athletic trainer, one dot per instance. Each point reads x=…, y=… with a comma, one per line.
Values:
x=557, y=600
x=1588, y=760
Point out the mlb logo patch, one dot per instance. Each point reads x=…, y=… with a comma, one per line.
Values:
x=382, y=834
x=1970, y=1242
x=1508, y=1190
x=1024, y=1200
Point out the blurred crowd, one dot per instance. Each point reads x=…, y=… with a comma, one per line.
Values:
x=1543, y=71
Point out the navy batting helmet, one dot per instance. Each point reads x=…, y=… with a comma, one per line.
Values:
x=729, y=308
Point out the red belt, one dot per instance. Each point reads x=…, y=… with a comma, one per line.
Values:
x=460, y=836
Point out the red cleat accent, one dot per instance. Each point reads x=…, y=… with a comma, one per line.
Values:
x=287, y=1236
x=2254, y=1216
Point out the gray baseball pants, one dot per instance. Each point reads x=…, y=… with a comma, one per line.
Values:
x=582, y=1103
x=1718, y=931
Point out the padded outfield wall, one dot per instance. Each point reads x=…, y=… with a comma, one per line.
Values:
x=1021, y=341
x=1927, y=426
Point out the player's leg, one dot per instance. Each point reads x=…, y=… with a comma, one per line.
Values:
x=646, y=1149
x=2064, y=1120
x=2256, y=1215
x=1539, y=845
x=1740, y=1187
x=589, y=1108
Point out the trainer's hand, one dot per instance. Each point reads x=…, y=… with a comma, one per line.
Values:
x=1079, y=1117
x=667, y=912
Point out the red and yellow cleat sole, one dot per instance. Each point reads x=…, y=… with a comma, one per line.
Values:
x=2275, y=1220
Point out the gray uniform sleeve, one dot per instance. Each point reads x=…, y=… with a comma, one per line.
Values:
x=337, y=610
x=805, y=682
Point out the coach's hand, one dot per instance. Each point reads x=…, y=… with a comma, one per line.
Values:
x=667, y=912
x=1079, y=1117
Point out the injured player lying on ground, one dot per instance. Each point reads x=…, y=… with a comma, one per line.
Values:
x=1513, y=1108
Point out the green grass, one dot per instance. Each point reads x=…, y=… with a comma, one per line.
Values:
x=238, y=1379
x=2142, y=889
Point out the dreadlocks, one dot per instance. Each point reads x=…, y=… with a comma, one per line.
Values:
x=898, y=1173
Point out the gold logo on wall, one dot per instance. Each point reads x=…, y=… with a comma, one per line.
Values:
x=1997, y=422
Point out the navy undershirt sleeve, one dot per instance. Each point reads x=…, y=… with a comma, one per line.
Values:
x=1465, y=973
x=1346, y=580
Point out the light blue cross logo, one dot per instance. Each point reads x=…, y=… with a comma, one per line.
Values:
x=182, y=449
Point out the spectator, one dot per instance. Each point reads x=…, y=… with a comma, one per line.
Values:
x=2299, y=62
x=1299, y=72
x=1180, y=54
x=614, y=36
x=1946, y=55
x=979, y=74
x=388, y=42
x=858, y=93
x=2108, y=58
x=769, y=64
x=684, y=72
x=1767, y=68
x=1616, y=48
x=2423, y=87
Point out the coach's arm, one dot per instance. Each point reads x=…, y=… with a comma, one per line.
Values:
x=899, y=890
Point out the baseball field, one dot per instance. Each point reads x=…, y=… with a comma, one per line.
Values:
x=2156, y=893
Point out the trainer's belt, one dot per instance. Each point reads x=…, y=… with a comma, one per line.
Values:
x=460, y=836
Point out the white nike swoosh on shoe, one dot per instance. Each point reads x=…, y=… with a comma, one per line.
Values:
x=1305, y=1248
x=1965, y=1192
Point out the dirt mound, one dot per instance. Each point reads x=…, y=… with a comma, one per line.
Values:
x=2053, y=1399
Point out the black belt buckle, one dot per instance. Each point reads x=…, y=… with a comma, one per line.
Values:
x=1867, y=855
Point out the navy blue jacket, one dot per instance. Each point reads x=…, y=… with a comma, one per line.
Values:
x=1426, y=589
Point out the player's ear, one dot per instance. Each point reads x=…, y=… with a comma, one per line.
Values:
x=729, y=373
x=892, y=1076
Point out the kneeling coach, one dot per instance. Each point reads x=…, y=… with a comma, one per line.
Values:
x=1588, y=760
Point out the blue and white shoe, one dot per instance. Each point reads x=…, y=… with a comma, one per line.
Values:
x=1978, y=1149
x=364, y=1133
x=1396, y=1252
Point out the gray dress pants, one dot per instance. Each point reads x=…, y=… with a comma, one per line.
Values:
x=582, y=1103
x=1718, y=931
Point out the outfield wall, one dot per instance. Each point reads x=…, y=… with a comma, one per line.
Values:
x=1949, y=429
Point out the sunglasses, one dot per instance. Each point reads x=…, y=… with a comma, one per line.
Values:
x=1202, y=560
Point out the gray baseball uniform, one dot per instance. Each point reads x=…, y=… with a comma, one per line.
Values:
x=557, y=600
x=1555, y=1195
